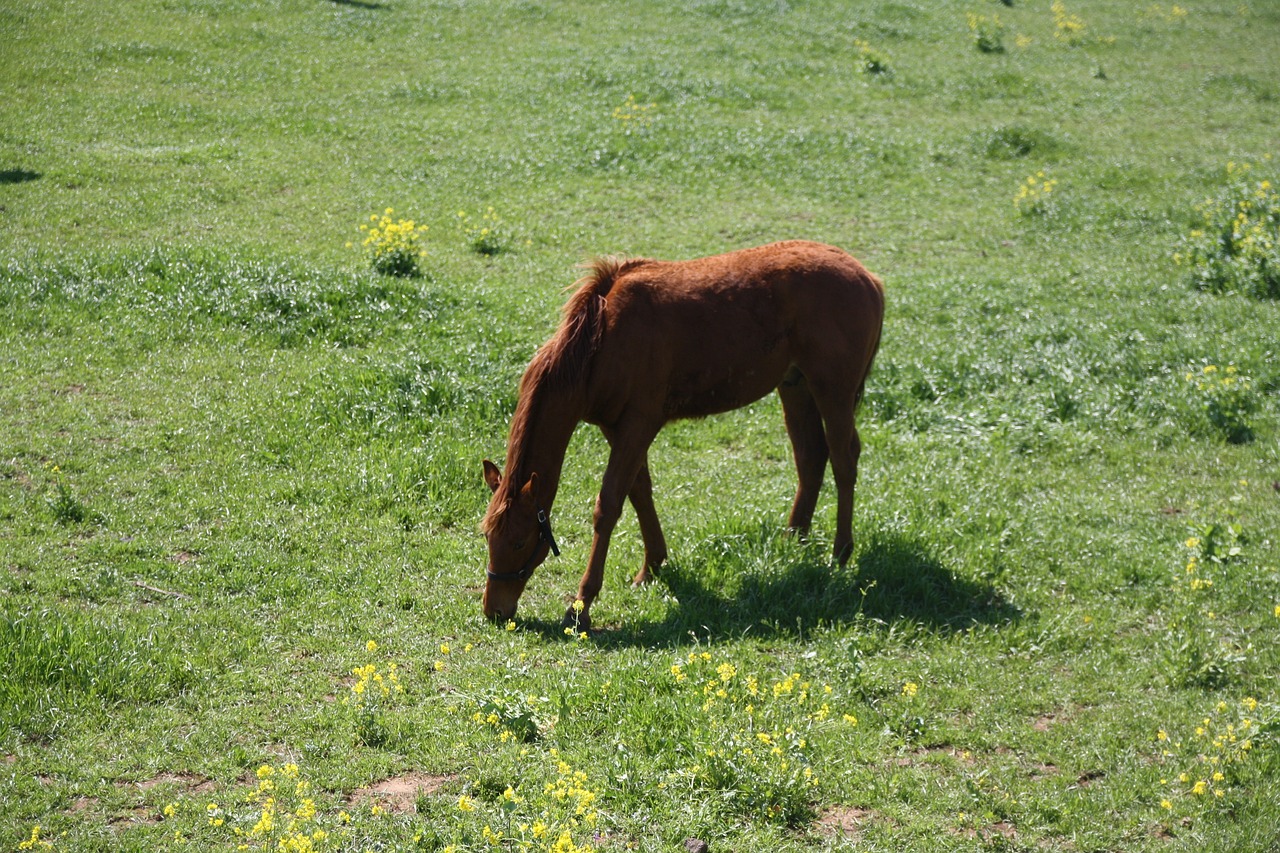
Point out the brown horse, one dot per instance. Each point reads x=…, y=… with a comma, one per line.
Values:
x=644, y=342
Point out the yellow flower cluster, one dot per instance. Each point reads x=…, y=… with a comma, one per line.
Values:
x=1067, y=28
x=988, y=33
x=549, y=821
x=752, y=739
x=287, y=816
x=1237, y=245
x=632, y=114
x=372, y=692
x=368, y=675
x=870, y=60
x=1223, y=740
x=392, y=245
x=1226, y=398
x=1035, y=195
x=35, y=842
x=486, y=237
x=1173, y=14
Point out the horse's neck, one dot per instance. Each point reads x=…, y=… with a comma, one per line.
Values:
x=540, y=443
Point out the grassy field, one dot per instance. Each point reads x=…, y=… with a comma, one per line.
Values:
x=240, y=470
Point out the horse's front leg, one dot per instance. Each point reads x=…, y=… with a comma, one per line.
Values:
x=626, y=460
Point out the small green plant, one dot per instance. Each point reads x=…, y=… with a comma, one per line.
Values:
x=1194, y=655
x=371, y=694
x=488, y=236
x=987, y=33
x=392, y=245
x=1036, y=195
x=1226, y=399
x=67, y=509
x=1235, y=246
x=511, y=716
x=870, y=60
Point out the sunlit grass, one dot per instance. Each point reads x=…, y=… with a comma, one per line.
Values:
x=239, y=466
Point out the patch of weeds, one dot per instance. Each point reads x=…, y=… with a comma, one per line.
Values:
x=67, y=509
x=392, y=245
x=488, y=236
x=35, y=841
x=1037, y=196
x=1175, y=14
x=750, y=742
x=634, y=117
x=1226, y=399
x=1014, y=142
x=987, y=32
x=281, y=812
x=1067, y=28
x=1217, y=759
x=869, y=60
x=1194, y=654
x=558, y=815
x=512, y=716
x=1235, y=247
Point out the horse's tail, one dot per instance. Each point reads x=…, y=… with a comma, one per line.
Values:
x=875, y=345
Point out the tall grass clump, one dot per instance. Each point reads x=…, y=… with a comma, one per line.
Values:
x=55, y=659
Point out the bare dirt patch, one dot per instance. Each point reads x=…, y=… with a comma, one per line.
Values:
x=1000, y=829
x=1087, y=779
x=192, y=783
x=399, y=794
x=140, y=816
x=81, y=804
x=845, y=821
x=924, y=753
x=1044, y=722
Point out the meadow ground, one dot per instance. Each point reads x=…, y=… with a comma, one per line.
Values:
x=240, y=468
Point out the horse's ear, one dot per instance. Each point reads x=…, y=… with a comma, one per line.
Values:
x=530, y=490
x=492, y=475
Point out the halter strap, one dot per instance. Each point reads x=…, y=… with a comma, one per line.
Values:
x=544, y=535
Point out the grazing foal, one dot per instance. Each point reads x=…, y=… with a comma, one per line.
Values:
x=644, y=342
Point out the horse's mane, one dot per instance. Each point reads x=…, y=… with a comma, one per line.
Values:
x=562, y=363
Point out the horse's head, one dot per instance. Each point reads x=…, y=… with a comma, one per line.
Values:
x=519, y=534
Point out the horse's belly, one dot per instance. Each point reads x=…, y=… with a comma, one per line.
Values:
x=697, y=394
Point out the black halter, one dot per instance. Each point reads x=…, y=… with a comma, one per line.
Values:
x=544, y=535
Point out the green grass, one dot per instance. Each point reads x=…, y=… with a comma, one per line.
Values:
x=231, y=454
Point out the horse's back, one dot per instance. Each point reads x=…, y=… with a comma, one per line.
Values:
x=716, y=333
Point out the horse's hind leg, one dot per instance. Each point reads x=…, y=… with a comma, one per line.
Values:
x=808, y=443
x=655, y=544
x=845, y=447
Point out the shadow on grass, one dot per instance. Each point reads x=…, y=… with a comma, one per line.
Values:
x=360, y=4
x=761, y=584
x=18, y=176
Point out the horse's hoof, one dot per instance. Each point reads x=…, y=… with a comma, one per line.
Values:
x=576, y=620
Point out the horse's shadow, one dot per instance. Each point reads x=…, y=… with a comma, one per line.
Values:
x=758, y=584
